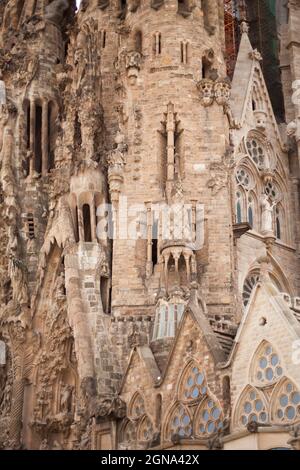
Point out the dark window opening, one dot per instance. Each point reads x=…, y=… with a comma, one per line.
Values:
x=154, y=243
x=158, y=408
x=50, y=158
x=76, y=225
x=104, y=292
x=28, y=125
x=30, y=226
x=38, y=139
x=87, y=223
x=182, y=53
x=238, y=213
x=253, y=105
x=159, y=43
x=77, y=133
x=103, y=39
x=278, y=228
x=250, y=216
x=138, y=40
x=226, y=393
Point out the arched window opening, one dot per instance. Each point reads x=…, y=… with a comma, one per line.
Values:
x=180, y=423
x=193, y=385
x=226, y=393
x=157, y=44
x=77, y=133
x=252, y=408
x=138, y=42
x=257, y=152
x=51, y=135
x=250, y=216
x=38, y=139
x=209, y=418
x=253, y=105
x=87, y=223
x=103, y=39
x=184, y=52
x=184, y=8
x=158, y=410
x=239, y=206
x=266, y=365
x=76, y=225
x=279, y=225
x=154, y=242
x=104, y=292
x=27, y=123
x=286, y=403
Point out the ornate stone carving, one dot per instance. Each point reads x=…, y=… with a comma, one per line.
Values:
x=111, y=408
x=267, y=214
x=255, y=55
x=222, y=91
x=133, y=65
x=116, y=162
x=206, y=90
x=220, y=172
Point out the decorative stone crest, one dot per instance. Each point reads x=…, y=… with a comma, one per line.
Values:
x=222, y=91
x=206, y=89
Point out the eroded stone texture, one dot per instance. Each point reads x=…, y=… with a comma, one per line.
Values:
x=133, y=337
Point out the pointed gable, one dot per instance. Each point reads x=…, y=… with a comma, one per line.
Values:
x=249, y=87
x=269, y=319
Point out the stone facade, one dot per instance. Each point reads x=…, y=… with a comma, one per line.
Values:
x=150, y=230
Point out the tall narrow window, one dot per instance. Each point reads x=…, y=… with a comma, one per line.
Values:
x=250, y=216
x=76, y=225
x=138, y=41
x=154, y=242
x=104, y=292
x=38, y=139
x=103, y=39
x=27, y=123
x=184, y=52
x=157, y=44
x=278, y=224
x=51, y=135
x=239, y=208
x=87, y=223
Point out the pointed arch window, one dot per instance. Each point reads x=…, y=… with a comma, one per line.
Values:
x=137, y=406
x=285, y=402
x=251, y=408
x=251, y=210
x=180, y=422
x=193, y=384
x=279, y=222
x=239, y=207
x=266, y=367
x=209, y=418
x=129, y=433
x=145, y=430
x=257, y=152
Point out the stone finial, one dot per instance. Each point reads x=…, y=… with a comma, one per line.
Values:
x=244, y=27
